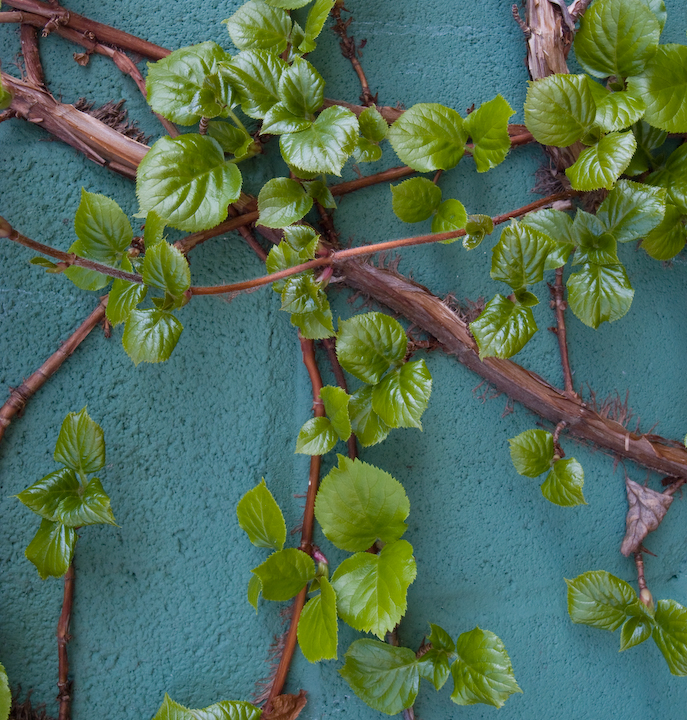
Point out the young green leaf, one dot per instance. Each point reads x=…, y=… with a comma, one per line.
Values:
x=258, y=26
x=668, y=238
x=80, y=444
x=371, y=589
x=558, y=227
x=634, y=632
x=415, y=200
x=150, y=335
x=285, y=573
x=476, y=229
x=279, y=120
x=261, y=518
x=369, y=344
x=602, y=600
x=316, y=437
x=124, y=296
x=559, y=109
x=670, y=634
x=619, y=110
x=532, y=452
x=281, y=202
x=358, y=503
x=300, y=237
x=187, y=182
x=600, y=249
x=302, y=294
x=256, y=75
x=450, y=216
x=233, y=140
x=336, y=406
x=435, y=666
x=315, y=325
x=600, y=165
x=384, y=677
x=617, y=37
x=51, y=549
x=326, y=145
x=254, y=590
x=488, y=128
x=366, y=151
x=226, y=710
x=301, y=89
x=563, y=485
x=318, y=625
x=368, y=427
x=5, y=97
x=599, y=293
x=401, y=398
x=519, y=257
x=166, y=268
x=483, y=672
x=288, y=4
x=429, y=137
x=373, y=126
x=503, y=328
x=154, y=230
x=5, y=693
x=631, y=210
x=318, y=190
x=283, y=256
x=314, y=24
x=673, y=177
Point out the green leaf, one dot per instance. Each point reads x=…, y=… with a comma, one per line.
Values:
x=287, y=4
x=619, y=110
x=503, y=328
x=319, y=191
x=154, y=229
x=281, y=202
x=600, y=249
x=648, y=139
x=600, y=165
x=373, y=126
x=52, y=549
x=301, y=89
x=256, y=75
x=150, y=335
x=415, y=200
x=599, y=293
x=673, y=177
x=634, y=632
x=559, y=109
x=368, y=427
x=336, y=406
x=300, y=237
x=667, y=239
x=315, y=325
x=401, y=398
x=435, y=667
x=532, y=452
x=429, y=137
x=631, y=210
x=663, y=86
x=232, y=139
x=302, y=294
x=226, y=710
x=476, y=229
x=43, y=262
x=519, y=257
x=369, y=344
x=124, y=296
x=5, y=101
x=371, y=589
x=5, y=693
x=187, y=182
x=285, y=573
x=616, y=37
x=80, y=444
x=314, y=24
x=558, y=226
x=488, y=128
x=483, y=672
x=318, y=625
x=261, y=518
x=257, y=26
x=563, y=485
x=602, y=600
x=326, y=145
x=283, y=256
x=254, y=590
x=165, y=267
x=358, y=503
x=316, y=437
x=450, y=216
x=384, y=677
x=177, y=86
x=366, y=151
x=670, y=634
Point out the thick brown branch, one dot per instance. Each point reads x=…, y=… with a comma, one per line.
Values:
x=32, y=59
x=64, y=695
x=559, y=304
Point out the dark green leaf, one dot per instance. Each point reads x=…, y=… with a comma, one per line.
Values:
x=670, y=634
x=563, y=485
x=316, y=437
x=319, y=191
x=599, y=293
x=123, y=297
x=631, y=210
x=301, y=89
x=256, y=75
x=648, y=139
x=336, y=406
x=476, y=229
x=450, y=216
x=532, y=452
x=435, y=666
x=635, y=631
x=51, y=549
x=503, y=328
x=401, y=398
x=373, y=126
x=281, y=202
x=257, y=26
x=600, y=165
x=667, y=239
x=232, y=139
x=80, y=444
x=285, y=573
x=165, y=267
x=260, y=517
x=150, y=335
x=315, y=325
x=415, y=200
x=318, y=625
x=368, y=427
x=558, y=226
x=602, y=600
x=358, y=503
x=488, y=128
x=254, y=590
x=674, y=177
x=600, y=249
x=519, y=257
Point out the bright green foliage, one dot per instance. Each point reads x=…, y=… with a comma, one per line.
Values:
x=80, y=444
x=281, y=202
x=402, y=396
x=358, y=504
x=368, y=345
x=255, y=75
x=663, y=86
x=300, y=237
x=5, y=97
x=384, y=677
x=368, y=427
x=617, y=37
x=104, y=233
x=563, y=484
x=559, y=109
x=429, y=137
x=285, y=573
x=316, y=437
x=668, y=238
x=314, y=24
x=450, y=216
x=519, y=257
x=232, y=139
x=435, y=664
x=558, y=227
x=483, y=672
x=366, y=151
x=226, y=710
x=5, y=695
x=278, y=120
x=415, y=200
x=288, y=4
x=599, y=293
x=254, y=590
x=373, y=126
x=619, y=110
x=326, y=145
x=301, y=89
x=154, y=229
x=670, y=634
x=336, y=406
x=318, y=625
x=260, y=517
x=673, y=177
x=488, y=128
x=302, y=294
x=648, y=140
x=600, y=165
x=318, y=190
x=258, y=26
x=166, y=268
x=187, y=84
x=503, y=328
x=151, y=335
x=631, y=210
x=634, y=632
x=477, y=228
x=532, y=452
x=371, y=589
x=52, y=549
x=284, y=256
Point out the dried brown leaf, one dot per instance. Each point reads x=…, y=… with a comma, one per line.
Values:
x=286, y=707
x=646, y=509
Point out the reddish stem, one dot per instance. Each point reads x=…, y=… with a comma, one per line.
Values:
x=63, y=637
x=560, y=305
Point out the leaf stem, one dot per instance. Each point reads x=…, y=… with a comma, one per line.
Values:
x=64, y=686
x=644, y=592
x=559, y=304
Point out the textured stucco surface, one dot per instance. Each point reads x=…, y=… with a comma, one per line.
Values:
x=160, y=601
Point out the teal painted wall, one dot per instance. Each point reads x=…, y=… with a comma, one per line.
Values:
x=160, y=601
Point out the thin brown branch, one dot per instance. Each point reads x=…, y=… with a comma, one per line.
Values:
x=233, y=223
x=381, y=177
x=578, y=8
x=64, y=686
x=390, y=114
x=32, y=59
x=350, y=51
x=674, y=487
x=556, y=437
x=559, y=304
x=330, y=346
x=644, y=592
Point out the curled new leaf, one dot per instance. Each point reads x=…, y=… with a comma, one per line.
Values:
x=52, y=548
x=336, y=401
x=646, y=509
